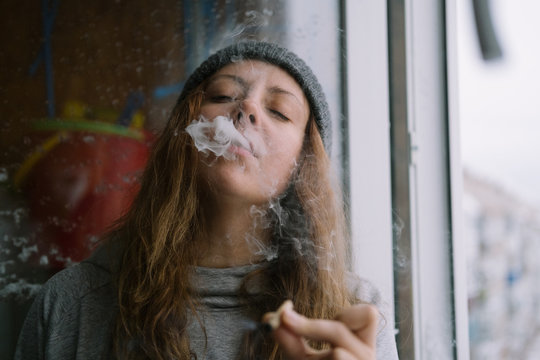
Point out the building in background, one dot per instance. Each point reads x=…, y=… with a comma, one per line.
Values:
x=503, y=246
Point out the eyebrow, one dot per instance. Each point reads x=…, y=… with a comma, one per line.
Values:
x=278, y=90
x=235, y=78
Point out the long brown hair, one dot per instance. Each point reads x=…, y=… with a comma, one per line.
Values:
x=158, y=233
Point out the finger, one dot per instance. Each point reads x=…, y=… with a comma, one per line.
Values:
x=293, y=345
x=274, y=318
x=363, y=320
x=334, y=332
x=296, y=347
x=340, y=354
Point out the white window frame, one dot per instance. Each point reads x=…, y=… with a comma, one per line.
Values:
x=426, y=105
x=369, y=143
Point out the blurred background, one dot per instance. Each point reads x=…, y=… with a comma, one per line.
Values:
x=499, y=97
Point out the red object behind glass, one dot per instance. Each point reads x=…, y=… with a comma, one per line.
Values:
x=78, y=188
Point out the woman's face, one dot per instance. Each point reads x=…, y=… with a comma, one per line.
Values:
x=270, y=110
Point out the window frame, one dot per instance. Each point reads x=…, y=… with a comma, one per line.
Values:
x=404, y=153
x=369, y=144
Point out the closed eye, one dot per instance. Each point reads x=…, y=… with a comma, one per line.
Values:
x=221, y=98
x=279, y=115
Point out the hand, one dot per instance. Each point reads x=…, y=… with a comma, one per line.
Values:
x=351, y=335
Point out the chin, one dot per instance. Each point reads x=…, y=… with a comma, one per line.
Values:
x=235, y=180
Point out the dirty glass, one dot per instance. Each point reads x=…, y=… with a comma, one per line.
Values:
x=499, y=85
x=85, y=88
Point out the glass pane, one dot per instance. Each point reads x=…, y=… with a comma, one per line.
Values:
x=500, y=125
x=85, y=87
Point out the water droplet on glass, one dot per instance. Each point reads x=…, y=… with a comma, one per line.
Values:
x=3, y=175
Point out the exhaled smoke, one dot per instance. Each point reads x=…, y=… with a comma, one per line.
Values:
x=261, y=220
x=284, y=217
x=216, y=136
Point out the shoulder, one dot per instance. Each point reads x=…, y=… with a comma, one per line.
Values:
x=364, y=290
x=80, y=280
x=77, y=281
x=72, y=314
x=68, y=294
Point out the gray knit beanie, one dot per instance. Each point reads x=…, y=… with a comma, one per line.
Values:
x=276, y=55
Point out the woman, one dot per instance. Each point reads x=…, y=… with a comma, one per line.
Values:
x=235, y=215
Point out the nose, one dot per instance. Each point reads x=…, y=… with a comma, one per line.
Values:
x=248, y=109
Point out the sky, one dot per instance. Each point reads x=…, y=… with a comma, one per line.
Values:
x=500, y=100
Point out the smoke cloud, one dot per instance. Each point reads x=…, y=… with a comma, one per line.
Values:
x=216, y=136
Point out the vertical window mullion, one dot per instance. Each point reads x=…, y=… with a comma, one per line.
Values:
x=421, y=179
x=401, y=173
x=369, y=144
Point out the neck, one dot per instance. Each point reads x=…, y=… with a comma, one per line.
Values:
x=234, y=235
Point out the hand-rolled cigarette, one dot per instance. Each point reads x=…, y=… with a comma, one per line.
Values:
x=274, y=318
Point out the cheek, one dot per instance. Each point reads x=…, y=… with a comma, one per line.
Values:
x=288, y=146
x=281, y=162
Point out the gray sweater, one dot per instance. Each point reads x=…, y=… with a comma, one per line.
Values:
x=73, y=315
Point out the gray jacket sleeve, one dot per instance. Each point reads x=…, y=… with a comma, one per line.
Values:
x=70, y=318
x=30, y=344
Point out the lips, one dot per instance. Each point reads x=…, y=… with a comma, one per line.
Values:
x=252, y=140
x=245, y=145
